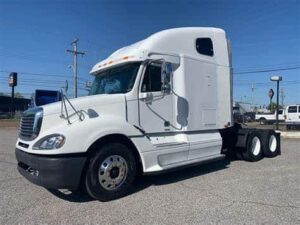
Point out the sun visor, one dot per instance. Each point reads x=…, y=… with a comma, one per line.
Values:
x=171, y=58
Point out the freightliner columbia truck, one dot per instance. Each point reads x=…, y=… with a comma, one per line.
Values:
x=158, y=104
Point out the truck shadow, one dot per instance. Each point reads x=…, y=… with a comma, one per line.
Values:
x=72, y=196
x=179, y=174
x=144, y=182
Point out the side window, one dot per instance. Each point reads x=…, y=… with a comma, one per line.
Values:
x=292, y=109
x=152, y=78
x=298, y=109
x=204, y=46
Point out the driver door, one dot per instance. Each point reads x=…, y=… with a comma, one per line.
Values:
x=156, y=107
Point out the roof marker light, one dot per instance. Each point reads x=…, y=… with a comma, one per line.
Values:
x=117, y=60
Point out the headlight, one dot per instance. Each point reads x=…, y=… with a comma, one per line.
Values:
x=53, y=141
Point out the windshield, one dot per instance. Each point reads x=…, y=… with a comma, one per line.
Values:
x=116, y=80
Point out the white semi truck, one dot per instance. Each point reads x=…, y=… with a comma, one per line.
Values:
x=161, y=103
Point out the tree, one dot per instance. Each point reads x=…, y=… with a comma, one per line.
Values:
x=18, y=95
x=272, y=107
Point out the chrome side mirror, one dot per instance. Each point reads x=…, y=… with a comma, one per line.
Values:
x=166, y=72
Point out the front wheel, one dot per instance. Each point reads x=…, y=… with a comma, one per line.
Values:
x=110, y=173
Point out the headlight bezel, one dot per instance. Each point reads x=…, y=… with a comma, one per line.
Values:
x=55, y=141
x=37, y=125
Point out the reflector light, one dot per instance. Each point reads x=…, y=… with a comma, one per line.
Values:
x=114, y=61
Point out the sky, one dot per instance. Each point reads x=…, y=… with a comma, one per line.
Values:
x=34, y=37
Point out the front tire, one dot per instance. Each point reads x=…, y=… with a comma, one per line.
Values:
x=111, y=171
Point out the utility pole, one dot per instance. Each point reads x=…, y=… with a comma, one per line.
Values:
x=282, y=96
x=252, y=96
x=75, y=53
x=12, y=81
x=277, y=79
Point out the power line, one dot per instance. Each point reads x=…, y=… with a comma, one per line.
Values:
x=40, y=59
x=270, y=66
x=284, y=81
x=34, y=81
x=267, y=85
x=62, y=76
x=267, y=70
x=42, y=85
x=35, y=74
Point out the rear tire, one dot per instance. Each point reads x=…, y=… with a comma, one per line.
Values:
x=110, y=173
x=270, y=143
x=262, y=121
x=254, y=151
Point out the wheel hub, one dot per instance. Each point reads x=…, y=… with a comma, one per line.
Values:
x=256, y=146
x=273, y=143
x=112, y=172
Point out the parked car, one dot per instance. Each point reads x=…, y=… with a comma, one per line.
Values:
x=250, y=116
x=270, y=118
x=241, y=118
x=44, y=97
x=4, y=115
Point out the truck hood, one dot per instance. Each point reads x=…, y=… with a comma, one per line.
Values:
x=95, y=103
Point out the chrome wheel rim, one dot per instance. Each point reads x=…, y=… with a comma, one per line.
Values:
x=112, y=172
x=273, y=143
x=255, y=146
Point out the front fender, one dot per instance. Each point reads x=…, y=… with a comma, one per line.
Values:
x=110, y=125
x=82, y=134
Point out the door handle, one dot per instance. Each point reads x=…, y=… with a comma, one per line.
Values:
x=146, y=96
x=143, y=95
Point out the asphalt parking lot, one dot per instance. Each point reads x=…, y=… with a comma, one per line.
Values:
x=225, y=192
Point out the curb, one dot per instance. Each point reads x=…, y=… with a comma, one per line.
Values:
x=290, y=134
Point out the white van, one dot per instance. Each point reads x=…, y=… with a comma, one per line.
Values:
x=293, y=113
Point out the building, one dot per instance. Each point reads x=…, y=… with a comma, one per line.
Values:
x=20, y=104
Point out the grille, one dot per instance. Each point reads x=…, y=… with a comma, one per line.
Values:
x=26, y=126
x=31, y=123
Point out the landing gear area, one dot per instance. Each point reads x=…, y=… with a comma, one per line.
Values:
x=250, y=144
